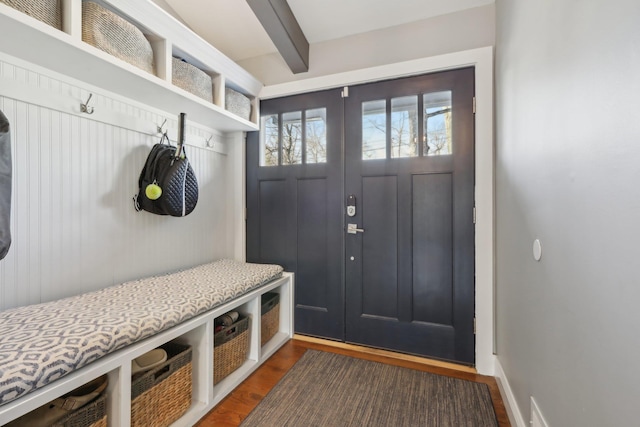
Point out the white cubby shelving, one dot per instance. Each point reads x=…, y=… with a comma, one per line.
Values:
x=197, y=332
x=64, y=51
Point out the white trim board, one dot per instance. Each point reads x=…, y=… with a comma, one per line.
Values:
x=509, y=399
x=537, y=419
x=482, y=60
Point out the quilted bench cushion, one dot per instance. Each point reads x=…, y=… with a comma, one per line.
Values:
x=43, y=342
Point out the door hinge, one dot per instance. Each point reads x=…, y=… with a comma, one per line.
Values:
x=345, y=92
x=245, y=214
x=474, y=326
x=474, y=105
x=474, y=214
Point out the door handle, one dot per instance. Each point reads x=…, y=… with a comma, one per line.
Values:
x=353, y=229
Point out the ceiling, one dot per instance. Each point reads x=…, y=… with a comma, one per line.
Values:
x=231, y=26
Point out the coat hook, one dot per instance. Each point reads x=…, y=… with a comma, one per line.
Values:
x=161, y=126
x=208, y=142
x=85, y=107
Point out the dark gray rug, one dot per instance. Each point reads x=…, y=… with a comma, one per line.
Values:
x=326, y=389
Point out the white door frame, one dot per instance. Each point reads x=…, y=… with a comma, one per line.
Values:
x=482, y=60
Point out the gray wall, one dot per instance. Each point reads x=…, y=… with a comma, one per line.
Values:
x=467, y=29
x=568, y=173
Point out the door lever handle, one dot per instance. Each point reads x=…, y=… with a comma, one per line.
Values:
x=353, y=229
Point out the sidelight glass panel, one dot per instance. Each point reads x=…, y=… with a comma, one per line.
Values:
x=269, y=141
x=404, y=127
x=316, y=135
x=374, y=130
x=292, y=138
x=437, y=124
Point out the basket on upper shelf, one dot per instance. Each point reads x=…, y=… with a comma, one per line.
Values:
x=237, y=103
x=47, y=11
x=115, y=35
x=192, y=79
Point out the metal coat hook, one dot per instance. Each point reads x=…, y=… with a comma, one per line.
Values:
x=85, y=107
x=160, y=130
x=208, y=142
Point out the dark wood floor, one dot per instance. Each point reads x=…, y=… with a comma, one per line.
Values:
x=237, y=405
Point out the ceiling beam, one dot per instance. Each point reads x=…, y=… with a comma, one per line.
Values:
x=282, y=27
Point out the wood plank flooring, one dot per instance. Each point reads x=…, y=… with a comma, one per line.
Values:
x=239, y=403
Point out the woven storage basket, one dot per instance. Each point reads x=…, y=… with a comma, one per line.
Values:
x=230, y=349
x=111, y=33
x=237, y=103
x=160, y=396
x=47, y=11
x=192, y=79
x=93, y=414
x=270, y=319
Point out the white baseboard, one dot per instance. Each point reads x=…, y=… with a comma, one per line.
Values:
x=537, y=420
x=515, y=416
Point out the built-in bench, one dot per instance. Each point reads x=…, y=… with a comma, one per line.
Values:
x=48, y=349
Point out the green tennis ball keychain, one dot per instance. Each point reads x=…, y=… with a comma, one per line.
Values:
x=153, y=191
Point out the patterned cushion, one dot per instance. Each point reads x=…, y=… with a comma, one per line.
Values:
x=43, y=342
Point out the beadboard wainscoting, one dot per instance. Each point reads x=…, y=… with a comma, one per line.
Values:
x=73, y=222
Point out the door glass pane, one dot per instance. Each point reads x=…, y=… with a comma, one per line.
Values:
x=292, y=138
x=374, y=130
x=316, y=136
x=404, y=126
x=437, y=123
x=269, y=141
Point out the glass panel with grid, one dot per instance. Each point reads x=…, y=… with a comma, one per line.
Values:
x=294, y=138
x=395, y=134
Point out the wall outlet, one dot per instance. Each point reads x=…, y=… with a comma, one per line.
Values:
x=537, y=420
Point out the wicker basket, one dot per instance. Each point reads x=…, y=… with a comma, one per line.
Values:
x=237, y=103
x=270, y=319
x=230, y=349
x=162, y=395
x=93, y=414
x=111, y=33
x=192, y=79
x=47, y=11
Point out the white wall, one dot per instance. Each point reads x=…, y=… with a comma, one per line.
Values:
x=468, y=29
x=568, y=170
x=73, y=224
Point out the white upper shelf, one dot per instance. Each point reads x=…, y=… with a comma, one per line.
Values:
x=65, y=52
